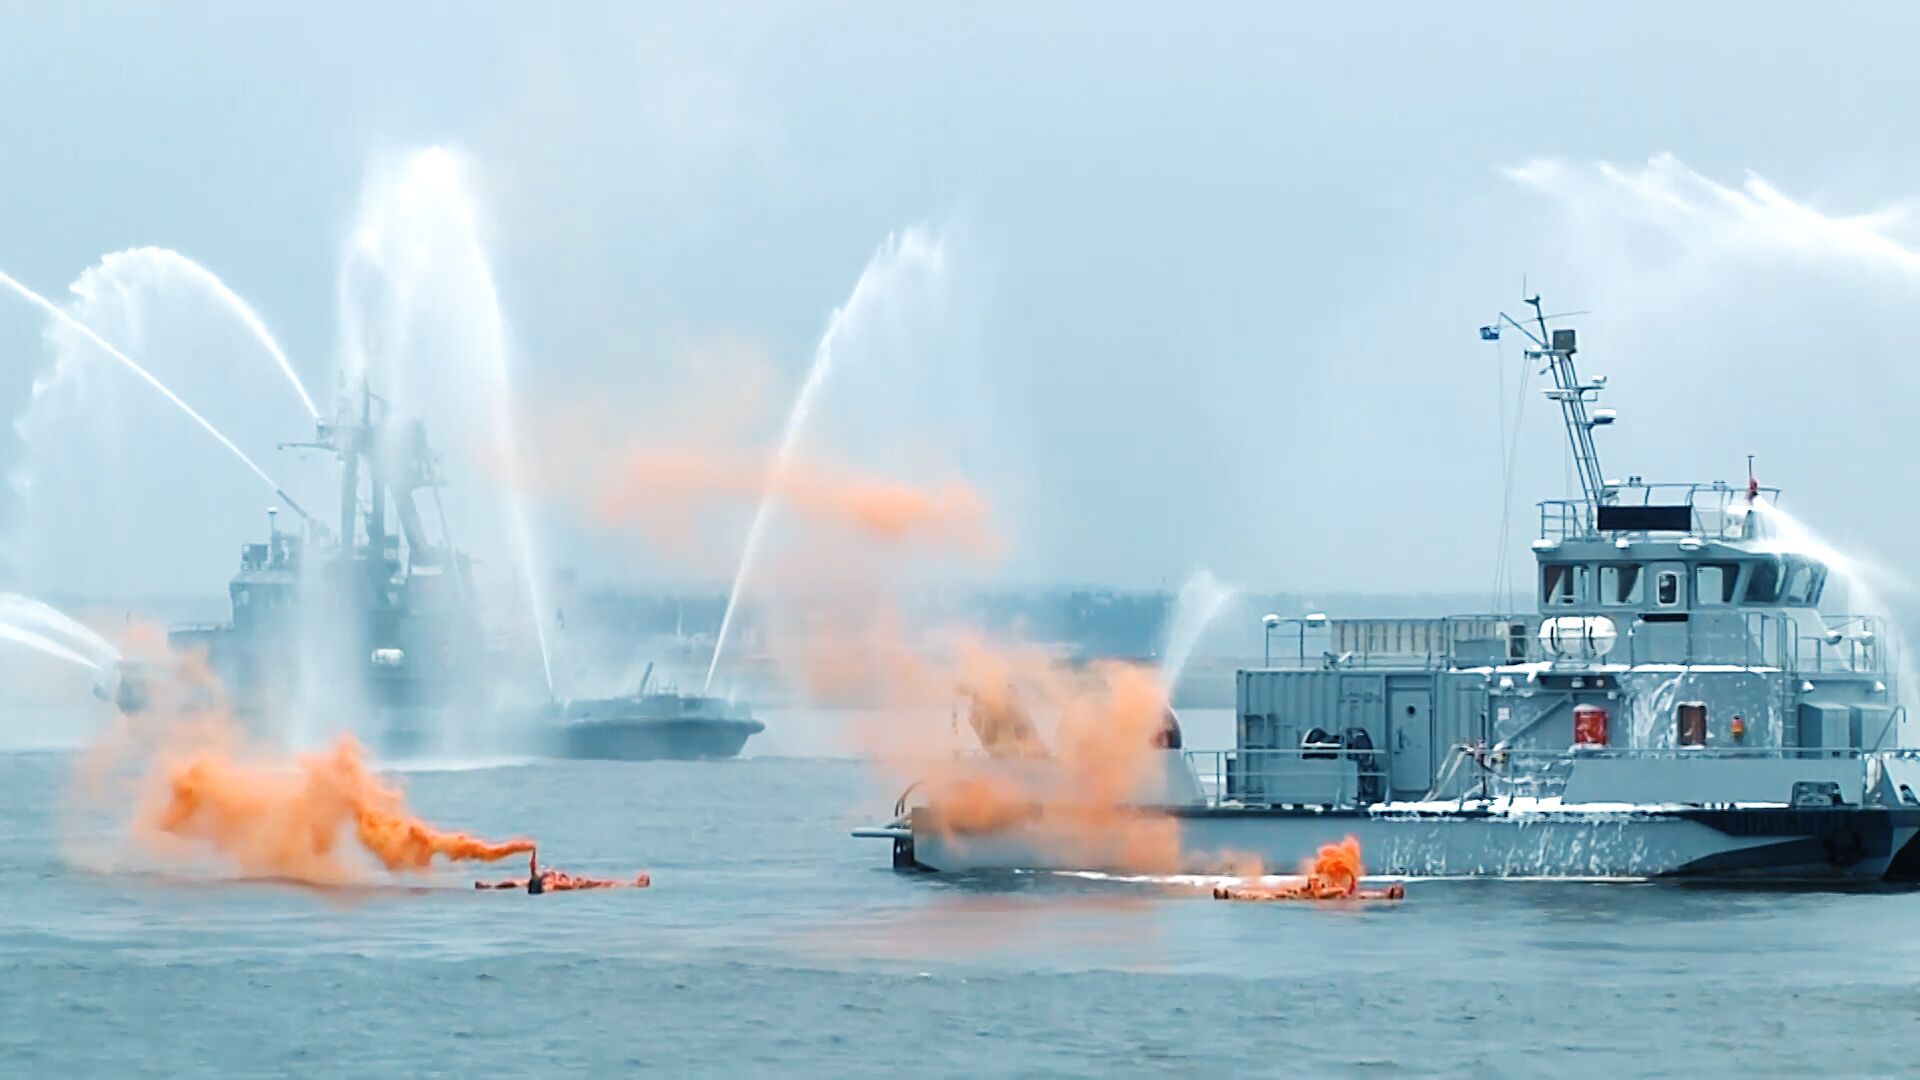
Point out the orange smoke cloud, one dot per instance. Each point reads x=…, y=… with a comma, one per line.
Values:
x=671, y=492
x=1077, y=800
x=180, y=769
x=1337, y=867
x=1002, y=724
x=689, y=479
x=272, y=822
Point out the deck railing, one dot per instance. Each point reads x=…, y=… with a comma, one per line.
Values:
x=1716, y=508
x=1850, y=644
x=1309, y=776
x=1347, y=778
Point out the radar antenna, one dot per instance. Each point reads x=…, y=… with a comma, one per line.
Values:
x=1556, y=349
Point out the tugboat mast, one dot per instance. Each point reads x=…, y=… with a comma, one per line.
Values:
x=397, y=463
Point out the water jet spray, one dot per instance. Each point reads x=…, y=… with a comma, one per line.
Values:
x=148, y=377
x=912, y=250
x=156, y=264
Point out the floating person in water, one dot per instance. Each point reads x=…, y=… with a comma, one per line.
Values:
x=1334, y=874
x=540, y=881
x=1307, y=889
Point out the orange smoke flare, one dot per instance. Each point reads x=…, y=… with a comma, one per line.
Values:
x=1333, y=874
x=272, y=822
x=1337, y=867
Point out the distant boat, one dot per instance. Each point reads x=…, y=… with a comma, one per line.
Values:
x=649, y=725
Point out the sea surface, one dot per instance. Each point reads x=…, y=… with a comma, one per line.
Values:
x=773, y=943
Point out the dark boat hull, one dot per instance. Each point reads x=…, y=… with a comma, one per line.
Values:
x=657, y=740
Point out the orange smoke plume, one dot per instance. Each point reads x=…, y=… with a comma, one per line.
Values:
x=274, y=823
x=670, y=491
x=1078, y=800
x=179, y=768
x=1333, y=874
x=1337, y=867
x=689, y=484
x=996, y=714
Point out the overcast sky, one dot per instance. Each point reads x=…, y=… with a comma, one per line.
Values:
x=1212, y=272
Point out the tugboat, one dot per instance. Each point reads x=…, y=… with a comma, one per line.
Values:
x=655, y=724
x=363, y=618
x=373, y=623
x=1678, y=706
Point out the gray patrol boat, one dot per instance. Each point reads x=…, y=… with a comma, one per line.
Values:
x=1678, y=705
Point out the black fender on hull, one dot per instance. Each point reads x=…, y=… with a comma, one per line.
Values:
x=1809, y=840
x=1905, y=868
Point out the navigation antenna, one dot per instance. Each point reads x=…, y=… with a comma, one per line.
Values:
x=1556, y=349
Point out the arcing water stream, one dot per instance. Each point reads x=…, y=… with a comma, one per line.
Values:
x=1781, y=531
x=25, y=718
x=22, y=617
x=147, y=377
x=414, y=258
x=1201, y=600
x=913, y=251
x=153, y=266
x=41, y=643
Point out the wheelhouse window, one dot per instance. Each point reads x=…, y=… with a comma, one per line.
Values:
x=1666, y=588
x=1563, y=584
x=1622, y=584
x=1763, y=581
x=1713, y=583
x=1805, y=581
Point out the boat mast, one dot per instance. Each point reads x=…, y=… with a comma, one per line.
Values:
x=1556, y=348
x=353, y=435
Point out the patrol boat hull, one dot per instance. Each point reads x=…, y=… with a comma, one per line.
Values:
x=1761, y=843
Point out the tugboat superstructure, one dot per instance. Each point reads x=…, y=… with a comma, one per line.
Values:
x=365, y=617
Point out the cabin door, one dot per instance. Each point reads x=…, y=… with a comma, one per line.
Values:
x=1410, y=713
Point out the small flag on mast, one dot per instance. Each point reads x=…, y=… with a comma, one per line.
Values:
x=1490, y=333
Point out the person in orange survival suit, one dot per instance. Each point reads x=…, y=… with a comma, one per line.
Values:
x=538, y=881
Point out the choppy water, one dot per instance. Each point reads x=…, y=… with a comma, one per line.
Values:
x=772, y=942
